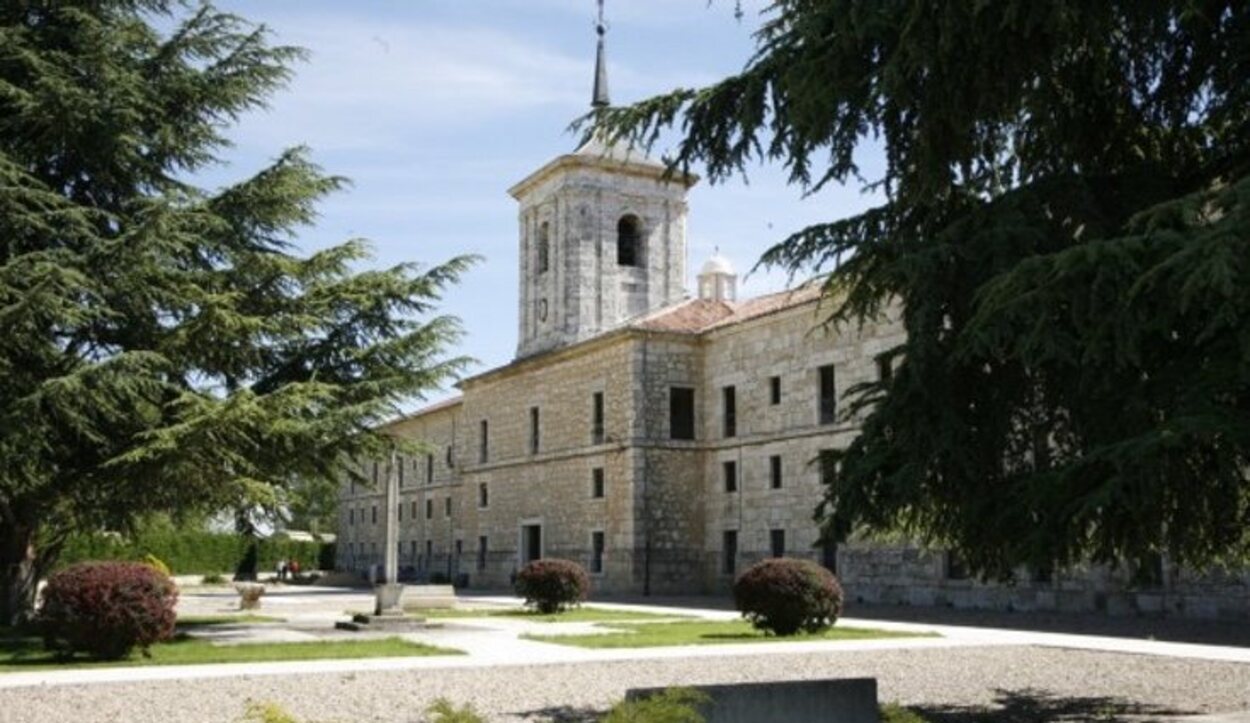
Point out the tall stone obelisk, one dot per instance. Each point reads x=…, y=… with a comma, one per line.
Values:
x=388, y=592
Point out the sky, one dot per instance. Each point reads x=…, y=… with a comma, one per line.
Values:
x=434, y=108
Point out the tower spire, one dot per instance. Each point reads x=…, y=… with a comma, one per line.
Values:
x=600, y=97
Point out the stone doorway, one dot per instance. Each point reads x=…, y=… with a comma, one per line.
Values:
x=531, y=543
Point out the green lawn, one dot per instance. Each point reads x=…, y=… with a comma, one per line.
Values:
x=27, y=653
x=584, y=614
x=651, y=635
x=204, y=621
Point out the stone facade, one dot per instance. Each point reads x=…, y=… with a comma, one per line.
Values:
x=582, y=447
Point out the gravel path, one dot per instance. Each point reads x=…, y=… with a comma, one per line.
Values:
x=1015, y=684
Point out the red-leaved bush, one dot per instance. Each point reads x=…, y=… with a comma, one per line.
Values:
x=785, y=595
x=107, y=609
x=552, y=585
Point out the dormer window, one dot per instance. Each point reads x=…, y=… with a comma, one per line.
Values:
x=544, y=247
x=628, y=241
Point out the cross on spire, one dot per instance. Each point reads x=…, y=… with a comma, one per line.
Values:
x=599, y=98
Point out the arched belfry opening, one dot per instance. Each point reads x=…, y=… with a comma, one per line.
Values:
x=629, y=241
x=544, y=247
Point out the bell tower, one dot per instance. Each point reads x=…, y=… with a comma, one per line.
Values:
x=602, y=238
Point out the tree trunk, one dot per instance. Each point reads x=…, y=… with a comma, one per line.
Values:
x=19, y=574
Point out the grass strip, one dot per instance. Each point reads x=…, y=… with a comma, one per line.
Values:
x=654, y=635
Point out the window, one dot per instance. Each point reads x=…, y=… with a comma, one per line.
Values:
x=828, y=396
x=447, y=507
x=596, y=551
x=534, y=439
x=483, y=496
x=729, y=409
x=774, y=390
x=451, y=460
x=483, y=451
x=774, y=471
x=544, y=247
x=885, y=369
x=596, y=419
x=729, y=552
x=829, y=555
x=375, y=475
x=429, y=467
x=412, y=511
x=401, y=471
x=459, y=548
x=481, y=552
x=429, y=509
x=429, y=552
x=399, y=510
x=628, y=241
x=375, y=514
x=730, y=470
x=596, y=483
x=777, y=543
x=351, y=516
x=412, y=549
x=956, y=567
x=681, y=412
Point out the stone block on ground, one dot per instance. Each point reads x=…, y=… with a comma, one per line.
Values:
x=838, y=700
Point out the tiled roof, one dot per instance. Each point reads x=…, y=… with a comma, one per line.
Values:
x=697, y=316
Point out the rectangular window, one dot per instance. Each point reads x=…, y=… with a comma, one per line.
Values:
x=429, y=552
x=375, y=475
x=596, y=419
x=429, y=468
x=596, y=483
x=412, y=510
x=459, y=548
x=729, y=409
x=730, y=470
x=828, y=396
x=375, y=514
x=774, y=471
x=885, y=369
x=774, y=390
x=412, y=549
x=481, y=552
x=451, y=458
x=483, y=451
x=351, y=516
x=729, y=552
x=596, y=551
x=429, y=509
x=956, y=567
x=777, y=543
x=483, y=496
x=681, y=412
x=399, y=510
x=534, y=438
x=447, y=507
x=401, y=471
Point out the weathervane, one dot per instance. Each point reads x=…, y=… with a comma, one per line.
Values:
x=599, y=99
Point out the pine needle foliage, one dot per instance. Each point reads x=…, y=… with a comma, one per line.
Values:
x=164, y=346
x=1065, y=233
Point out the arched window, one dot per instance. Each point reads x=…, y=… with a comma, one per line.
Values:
x=544, y=247
x=628, y=241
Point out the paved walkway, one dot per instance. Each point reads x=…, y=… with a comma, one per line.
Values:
x=309, y=614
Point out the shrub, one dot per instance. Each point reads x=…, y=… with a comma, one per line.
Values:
x=442, y=711
x=785, y=595
x=107, y=609
x=552, y=585
x=157, y=564
x=213, y=579
x=674, y=705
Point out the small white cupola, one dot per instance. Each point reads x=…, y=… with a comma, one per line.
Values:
x=717, y=280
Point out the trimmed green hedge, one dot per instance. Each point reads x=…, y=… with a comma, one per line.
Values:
x=197, y=553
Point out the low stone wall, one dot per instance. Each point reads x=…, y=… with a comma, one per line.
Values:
x=912, y=576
